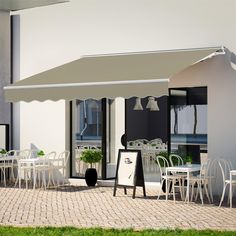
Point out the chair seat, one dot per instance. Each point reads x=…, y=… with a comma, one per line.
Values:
x=228, y=181
x=6, y=165
x=170, y=177
x=179, y=175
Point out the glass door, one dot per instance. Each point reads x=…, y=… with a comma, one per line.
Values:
x=87, y=133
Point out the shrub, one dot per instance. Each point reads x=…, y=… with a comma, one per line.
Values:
x=91, y=156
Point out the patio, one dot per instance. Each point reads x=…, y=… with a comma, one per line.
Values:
x=81, y=206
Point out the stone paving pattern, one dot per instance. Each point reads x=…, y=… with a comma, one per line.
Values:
x=82, y=206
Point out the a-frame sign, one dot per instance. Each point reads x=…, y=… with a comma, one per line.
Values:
x=129, y=171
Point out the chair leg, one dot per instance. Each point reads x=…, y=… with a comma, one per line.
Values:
x=4, y=177
x=206, y=190
x=210, y=190
x=192, y=192
x=200, y=191
x=223, y=194
x=52, y=175
x=158, y=195
x=26, y=180
x=173, y=186
x=197, y=192
x=180, y=188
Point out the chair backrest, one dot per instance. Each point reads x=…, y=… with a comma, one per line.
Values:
x=175, y=160
x=65, y=156
x=25, y=153
x=225, y=167
x=51, y=155
x=13, y=153
x=162, y=163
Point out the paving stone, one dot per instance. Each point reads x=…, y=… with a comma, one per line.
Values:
x=81, y=206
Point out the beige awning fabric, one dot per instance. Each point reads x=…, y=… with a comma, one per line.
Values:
x=120, y=75
x=16, y=5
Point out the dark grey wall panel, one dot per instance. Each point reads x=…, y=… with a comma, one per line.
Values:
x=147, y=124
x=5, y=65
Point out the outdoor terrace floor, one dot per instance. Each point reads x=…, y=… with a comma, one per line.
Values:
x=81, y=206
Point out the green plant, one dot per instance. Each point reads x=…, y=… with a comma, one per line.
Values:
x=91, y=156
x=188, y=158
x=163, y=154
x=40, y=153
x=3, y=151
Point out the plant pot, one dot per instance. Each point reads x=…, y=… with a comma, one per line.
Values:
x=91, y=176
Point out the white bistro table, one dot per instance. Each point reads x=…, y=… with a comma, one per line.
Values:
x=183, y=169
x=232, y=173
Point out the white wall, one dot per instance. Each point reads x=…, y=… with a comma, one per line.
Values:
x=53, y=35
x=117, y=129
x=43, y=125
x=220, y=79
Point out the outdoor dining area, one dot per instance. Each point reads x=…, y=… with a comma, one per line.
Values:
x=181, y=178
x=193, y=181
x=33, y=167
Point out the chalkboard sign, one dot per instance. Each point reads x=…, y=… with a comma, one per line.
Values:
x=129, y=171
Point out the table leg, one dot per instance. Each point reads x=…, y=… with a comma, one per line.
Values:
x=187, y=192
x=19, y=175
x=166, y=186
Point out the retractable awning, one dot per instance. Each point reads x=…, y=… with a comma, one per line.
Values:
x=120, y=75
x=16, y=5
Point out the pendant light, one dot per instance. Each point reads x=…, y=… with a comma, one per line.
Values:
x=138, y=105
x=150, y=102
x=154, y=106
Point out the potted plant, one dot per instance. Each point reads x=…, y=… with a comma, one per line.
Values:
x=91, y=156
x=188, y=159
x=40, y=153
x=3, y=152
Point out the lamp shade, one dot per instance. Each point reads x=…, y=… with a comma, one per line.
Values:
x=138, y=105
x=154, y=106
x=150, y=101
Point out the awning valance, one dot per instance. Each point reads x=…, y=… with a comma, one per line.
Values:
x=120, y=75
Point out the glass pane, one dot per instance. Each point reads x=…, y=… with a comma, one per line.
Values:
x=87, y=125
x=147, y=130
x=188, y=122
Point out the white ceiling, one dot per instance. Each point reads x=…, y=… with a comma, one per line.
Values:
x=15, y=5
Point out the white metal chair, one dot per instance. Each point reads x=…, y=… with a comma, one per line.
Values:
x=44, y=167
x=225, y=167
x=202, y=181
x=14, y=164
x=176, y=160
x=60, y=164
x=163, y=164
x=4, y=165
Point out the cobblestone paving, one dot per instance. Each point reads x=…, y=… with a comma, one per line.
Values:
x=96, y=207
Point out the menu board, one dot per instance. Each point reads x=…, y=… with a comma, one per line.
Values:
x=127, y=168
x=129, y=172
